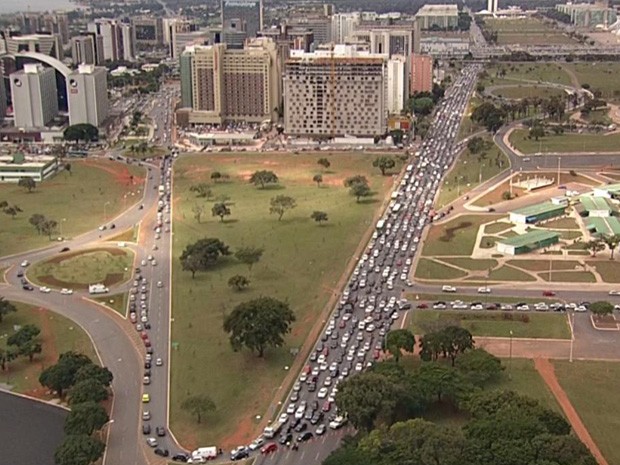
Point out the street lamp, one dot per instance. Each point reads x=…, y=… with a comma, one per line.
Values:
x=510, y=358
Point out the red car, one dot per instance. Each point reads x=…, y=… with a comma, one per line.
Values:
x=144, y=335
x=147, y=343
x=548, y=293
x=327, y=406
x=422, y=306
x=269, y=448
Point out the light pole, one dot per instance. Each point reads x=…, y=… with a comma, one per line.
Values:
x=510, y=358
x=105, y=214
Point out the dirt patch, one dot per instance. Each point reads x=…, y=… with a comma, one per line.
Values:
x=547, y=372
x=65, y=256
x=605, y=322
x=119, y=171
x=449, y=233
x=243, y=434
x=110, y=280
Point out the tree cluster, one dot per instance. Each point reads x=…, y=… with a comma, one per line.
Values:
x=81, y=132
x=358, y=186
x=43, y=225
x=87, y=385
x=489, y=115
x=384, y=163
x=8, y=209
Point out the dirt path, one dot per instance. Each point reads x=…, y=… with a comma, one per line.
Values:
x=546, y=371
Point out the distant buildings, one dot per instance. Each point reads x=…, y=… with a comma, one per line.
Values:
x=438, y=17
x=335, y=93
x=220, y=84
x=421, y=73
x=320, y=26
x=87, y=49
x=397, y=84
x=381, y=39
x=182, y=33
x=51, y=23
x=47, y=44
x=87, y=92
x=492, y=6
x=343, y=26
x=34, y=95
x=445, y=47
x=589, y=15
x=117, y=39
x=246, y=15
x=18, y=165
x=147, y=31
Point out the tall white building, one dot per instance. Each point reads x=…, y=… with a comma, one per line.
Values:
x=126, y=44
x=343, y=25
x=88, y=95
x=35, y=101
x=397, y=84
x=492, y=6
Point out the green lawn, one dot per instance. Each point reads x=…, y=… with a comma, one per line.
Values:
x=495, y=228
x=495, y=323
x=519, y=92
x=507, y=73
x=455, y=237
x=77, y=202
x=527, y=31
x=591, y=387
x=302, y=263
x=543, y=265
x=506, y=273
x=108, y=266
x=429, y=269
x=609, y=270
x=600, y=76
x=488, y=242
x=117, y=302
x=562, y=223
x=468, y=127
x=471, y=264
x=565, y=143
x=469, y=171
x=569, y=277
x=58, y=334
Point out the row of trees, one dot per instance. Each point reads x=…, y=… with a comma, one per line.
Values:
x=203, y=254
x=87, y=386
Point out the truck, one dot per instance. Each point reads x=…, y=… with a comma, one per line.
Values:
x=202, y=454
x=97, y=289
x=270, y=431
x=162, y=189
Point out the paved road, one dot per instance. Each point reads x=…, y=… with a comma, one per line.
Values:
x=30, y=431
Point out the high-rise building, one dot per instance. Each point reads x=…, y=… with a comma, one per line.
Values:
x=335, y=92
x=247, y=12
x=2, y=100
x=147, y=31
x=231, y=85
x=343, y=25
x=83, y=50
x=438, y=16
x=126, y=43
x=183, y=33
x=48, y=44
x=421, y=73
x=56, y=23
x=397, y=84
x=320, y=26
x=87, y=91
x=34, y=95
x=386, y=40
x=492, y=6
x=108, y=30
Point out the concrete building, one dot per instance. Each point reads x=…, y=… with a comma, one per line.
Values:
x=232, y=85
x=595, y=207
x=536, y=213
x=243, y=14
x=109, y=32
x=444, y=47
x=3, y=100
x=87, y=91
x=397, y=84
x=185, y=65
x=147, y=31
x=35, y=102
x=589, y=15
x=343, y=26
x=50, y=23
x=492, y=6
x=600, y=226
x=393, y=41
x=609, y=191
x=528, y=242
x=83, y=50
x=17, y=166
x=335, y=93
x=438, y=17
x=421, y=73
x=126, y=45
x=320, y=26
x=47, y=44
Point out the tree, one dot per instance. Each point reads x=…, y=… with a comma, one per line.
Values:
x=12, y=211
x=6, y=356
x=319, y=216
x=198, y=405
x=324, y=162
x=6, y=307
x=398, y=340
x=202, y=190
x=27, y=183
x=422, y=106
x=357, y=179
x=479, y=367
x=85, y=418
x=594, y=246
x=24, y=340
x=78, y=132
x=318, y=178
x=48, y=227
x=280, y=204
x=537, y=131
x=475, y=145
x=221, y=210
x=439, y=380
x=611, y=241
x=198, y=211
x=359, y=191
x=216, y=176
x=249, y=255
x=258, y=324
x=88, y=390
x=37, y=220
x=602, y=308
x=263, y=177
x=456, y=340
x=30, y=349
x=61, y=376
x=91, y=371
x=203, y=254
x=238, y=282
x=384, y=163
x=78, y=449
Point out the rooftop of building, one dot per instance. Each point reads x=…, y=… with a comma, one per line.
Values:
x=340, y=52
x=530, y=238
x=8, y=161
x=615, y=188
x=595, y=203
x=608, y=225
x=438, y=10
x=538, y=209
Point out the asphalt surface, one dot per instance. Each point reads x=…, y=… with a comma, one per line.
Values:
x=30, y=431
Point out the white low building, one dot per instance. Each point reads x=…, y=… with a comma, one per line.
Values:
x=17, y=166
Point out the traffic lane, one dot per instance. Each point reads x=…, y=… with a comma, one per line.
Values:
x=312, y=452
x=24, y=422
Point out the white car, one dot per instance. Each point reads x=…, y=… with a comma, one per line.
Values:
x=290, y=409
x=159, y=362
x=256, y=443
x=614, y=292
x=322, y=393
x=358, y=367
x=45, y=290
x=446, y=288
x=25, y=263
x=65, y=291
x=484, y=290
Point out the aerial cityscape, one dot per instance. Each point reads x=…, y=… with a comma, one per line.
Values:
x=299, y=233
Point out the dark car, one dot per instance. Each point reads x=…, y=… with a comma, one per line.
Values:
x=180, y=458
x=312, y=387
x=317, y=417
x=303, y=426
x=161, y=452
x=239, y=455
x=147, y=365
x=286, y=438
x=146, y=428
x=65, y=249
x=305, y=436
x=27, y=287
x=161, y=431
x=24, y=281
x=20, y=274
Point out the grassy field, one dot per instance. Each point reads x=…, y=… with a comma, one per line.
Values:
x=58, y=335
x=468, y=127
x=591, y=388
x=429, y=269
x=495, y=324
x=562, y=223
x=565, y=143
x=108, y=266
x=506, y=273
x=569, y=277
x=77, y=202
x=507, y=74
x=455, y=237
x=609, y=270
x=469, y=171
x=523, y=91
x=543, y=265
x=302, y=263
x=117, y=302
x=472, y=264
x=498, y=227
x=600, y=76
x=527, y=31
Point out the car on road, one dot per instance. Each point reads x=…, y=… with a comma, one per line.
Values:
x=27, y=287
x=146, y=380
x=548, y=293
x=484, y=290
x=180, y=458
x=45, y=290
x=25, y=263
x=446, y=288
x=65, y=249
x=152, y=442
x=160, y=431
x=65, y=291
x=320, y=430
x=146, y=398
x=614, y=292
x=146, y=429
x=162, y=452
x=146, y=415
x=305, y=436
x=322, y=394
x=239, y=453
x=269, y=448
